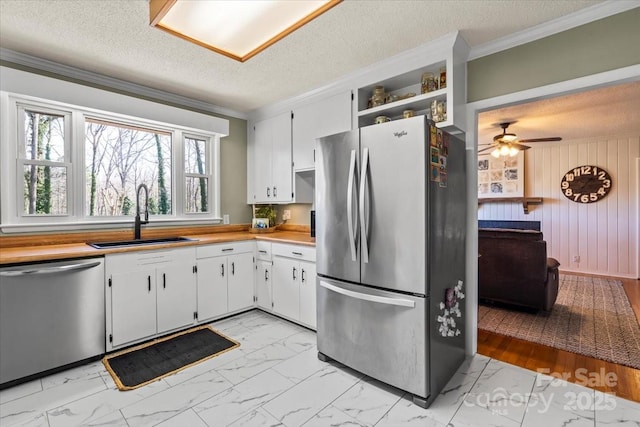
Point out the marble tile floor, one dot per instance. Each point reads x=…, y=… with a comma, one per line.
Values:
x=275, y=379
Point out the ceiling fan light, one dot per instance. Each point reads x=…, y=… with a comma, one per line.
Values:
x=513, y=151
x=509, y=137
x=496, y=153
x=504, y=150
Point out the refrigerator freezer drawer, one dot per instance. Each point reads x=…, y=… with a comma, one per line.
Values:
x=381, y=334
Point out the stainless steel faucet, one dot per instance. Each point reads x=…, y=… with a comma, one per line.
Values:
x=138, y=222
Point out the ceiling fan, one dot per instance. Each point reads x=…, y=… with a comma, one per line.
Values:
x=507, y=144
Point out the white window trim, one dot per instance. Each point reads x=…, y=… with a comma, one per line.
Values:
x=212, y=173
x=10, y=180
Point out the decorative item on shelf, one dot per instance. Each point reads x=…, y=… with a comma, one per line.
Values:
x=408, y=113
x=382, y=119
x=443, y=78
x=442, y=110
x=391, y=98
x=438, y=110
x=406, y=96
x=379, y=97
x=428, y=83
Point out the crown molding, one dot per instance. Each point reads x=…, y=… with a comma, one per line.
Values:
x=83, y=76
x=554, y=26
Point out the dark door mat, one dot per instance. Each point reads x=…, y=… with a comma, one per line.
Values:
x=149, y=362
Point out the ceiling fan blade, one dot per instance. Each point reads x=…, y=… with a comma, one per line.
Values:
x=485, y=149
x=520, y=147
x=553, y=138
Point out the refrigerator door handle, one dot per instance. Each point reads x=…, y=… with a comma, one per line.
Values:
x=366, y=297
x=363, y=183
x=352, y=232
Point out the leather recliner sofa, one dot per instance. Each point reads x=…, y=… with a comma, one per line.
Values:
x=513, y=268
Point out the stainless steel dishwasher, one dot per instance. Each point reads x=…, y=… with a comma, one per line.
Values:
x=51, y=315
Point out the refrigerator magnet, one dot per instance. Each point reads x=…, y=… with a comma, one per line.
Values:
x=433, y=140
x=439, y=138
x=443, y=179
x=435, y=156
x=435, y=173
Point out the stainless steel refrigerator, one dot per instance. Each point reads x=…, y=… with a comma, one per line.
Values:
x=390, y=242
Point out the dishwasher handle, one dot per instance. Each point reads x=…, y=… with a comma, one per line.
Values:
x=50, y=270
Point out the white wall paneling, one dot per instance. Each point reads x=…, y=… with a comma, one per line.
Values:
x=603, y=234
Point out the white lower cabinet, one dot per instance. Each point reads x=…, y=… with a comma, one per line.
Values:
x=225, y=278
x=176, y=294
x=149, y=293
x=263, y=279
x=294, y=283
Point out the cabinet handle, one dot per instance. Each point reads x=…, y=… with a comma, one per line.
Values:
x=149, y=282
x=227, y=250
x=262, y=251
x=275, y=192
x=268, y=191
x=222, y=269
x=233, y=268
x=294, y=273
x=302, y=276
x=164, y=280
x=297, y=253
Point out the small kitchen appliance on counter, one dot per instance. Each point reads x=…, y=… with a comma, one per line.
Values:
x=391, y=203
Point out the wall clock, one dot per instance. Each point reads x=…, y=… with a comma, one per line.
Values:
x=586, y=184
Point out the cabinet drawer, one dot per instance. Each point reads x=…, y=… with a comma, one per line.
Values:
x=207, y=251
x=306, y=253
x=264, y=250
x=135, y=259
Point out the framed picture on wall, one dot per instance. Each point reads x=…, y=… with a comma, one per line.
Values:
x=500, y=177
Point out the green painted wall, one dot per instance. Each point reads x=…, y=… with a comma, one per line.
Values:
x=599, y=46
x=233, y=173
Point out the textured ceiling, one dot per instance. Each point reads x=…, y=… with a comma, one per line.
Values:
x=114, y=38
x=602, y=112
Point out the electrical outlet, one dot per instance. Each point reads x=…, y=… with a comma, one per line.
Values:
x=225, y=219
x=576, y=258
x=286, y=214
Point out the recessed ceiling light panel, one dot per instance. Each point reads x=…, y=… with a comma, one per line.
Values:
x=238, y=29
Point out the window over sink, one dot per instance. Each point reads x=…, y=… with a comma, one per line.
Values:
x=77, y=167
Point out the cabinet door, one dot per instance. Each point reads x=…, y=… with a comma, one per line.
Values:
x=176, y=293
x=240, y=281
x=212, y=287
x=286, y=288
x=317, y=119
x=336, y=114
x=308, y=293
x=263, y=285
x=133, y=305
x=282, y=169
x=262, y=161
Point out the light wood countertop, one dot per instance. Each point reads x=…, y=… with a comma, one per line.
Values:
x=31, y=253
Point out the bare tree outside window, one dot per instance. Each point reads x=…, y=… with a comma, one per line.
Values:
x=196, y=175
x=45, y=175
x=118, y=159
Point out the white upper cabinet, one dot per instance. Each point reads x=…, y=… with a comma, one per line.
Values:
x=272, y=170
x=317, y=119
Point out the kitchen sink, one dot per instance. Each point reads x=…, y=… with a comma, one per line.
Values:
x=139, y=242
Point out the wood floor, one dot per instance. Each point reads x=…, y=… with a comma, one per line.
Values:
x=581, y=369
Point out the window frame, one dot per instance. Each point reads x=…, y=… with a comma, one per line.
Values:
x=22, y=160
x=12, y=217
